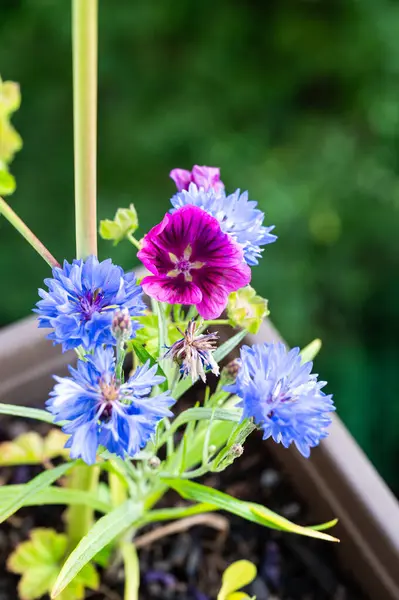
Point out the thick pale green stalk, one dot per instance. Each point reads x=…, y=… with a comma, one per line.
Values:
x=30, y=237
x=132, y=571
x=80, y=518
x=85, y=41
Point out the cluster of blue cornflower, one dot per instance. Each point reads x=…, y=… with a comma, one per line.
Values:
x=94, y=307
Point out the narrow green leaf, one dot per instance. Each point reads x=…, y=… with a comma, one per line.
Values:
x=229, y=346
x=29, y=490
x=24, y=411
x=143, y=356
x=169, y=514
x=248, y=510
x=324, y=526
x=185, y=384
x=100, y=535
x=55, y=495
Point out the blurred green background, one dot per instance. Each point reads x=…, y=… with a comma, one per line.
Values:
x=297, y=101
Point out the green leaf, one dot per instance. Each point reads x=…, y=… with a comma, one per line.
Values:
x=55, y=495
x=10, y=97
x=29, y=490
x=100, y=535
x=168, y=514
x=31, y=448
x=143, y=356
x=248, y=510
x=28, y=413
x=7, y=183
x=246, y=309
x=147, y=336
x=39, y=559
x=310, y=351
x=124, y=223
x=236, y=576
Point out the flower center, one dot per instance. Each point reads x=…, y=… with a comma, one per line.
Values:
x=109, y=393
x=183, y=265
x=91, y=303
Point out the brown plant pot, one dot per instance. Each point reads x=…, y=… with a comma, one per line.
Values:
x=337, y=480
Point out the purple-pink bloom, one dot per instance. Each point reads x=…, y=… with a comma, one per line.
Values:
x=193, y=262
x=204, y=177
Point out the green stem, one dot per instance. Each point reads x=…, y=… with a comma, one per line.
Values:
x=132, y=571
x=85, y=42
x=27, y=233
x=80, y=518
x=84, y=50
x=134, y=241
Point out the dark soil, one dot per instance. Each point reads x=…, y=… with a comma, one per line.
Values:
x=188, y=566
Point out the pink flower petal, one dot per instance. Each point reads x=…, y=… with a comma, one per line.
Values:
x=207, y=178
x=174, y=290
x=182, y=178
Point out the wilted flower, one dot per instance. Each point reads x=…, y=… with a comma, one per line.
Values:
x=282, y=396
x=81, y=300
x=204, y=177
x=102, y=411
x=193, y=262
x=246, y=309
x=194, y=352
x=237, y=216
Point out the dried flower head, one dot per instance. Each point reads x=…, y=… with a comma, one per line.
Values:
x=194, y=352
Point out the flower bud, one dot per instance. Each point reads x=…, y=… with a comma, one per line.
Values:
x=121, y=324
x=237, y=450
x=154, y=462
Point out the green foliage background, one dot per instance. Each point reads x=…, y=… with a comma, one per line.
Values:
x=298, y=101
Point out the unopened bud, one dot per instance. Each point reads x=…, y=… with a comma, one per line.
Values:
x=121, y=324
x=212, y=449
x=154, y=462
x=237, y=449
x=230, y=371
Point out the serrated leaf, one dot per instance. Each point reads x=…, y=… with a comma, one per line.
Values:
x=248, y=510
x=125, y=222
x=143, y=355
x=29, y=490
x=10, y=140
x=39, y=559
x=7, y=183
x=30, y=448
x=100, y=535
x=10, y=97
x=246, y=309
x=236, y=576
x=310, y=351
x=147, y=335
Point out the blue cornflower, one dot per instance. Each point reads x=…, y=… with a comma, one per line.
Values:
x=237, y=216
x=102, y=411
x=81, y=300
x=282, y=396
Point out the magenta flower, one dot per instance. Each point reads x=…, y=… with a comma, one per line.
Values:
x=193, y=262
x=203, y=177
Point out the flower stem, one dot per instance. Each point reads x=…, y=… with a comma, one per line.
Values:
x=84, y=50
x=85, y=42
x=80, y=518
x=132, y=571
x=134, y=241
x=30, y=237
